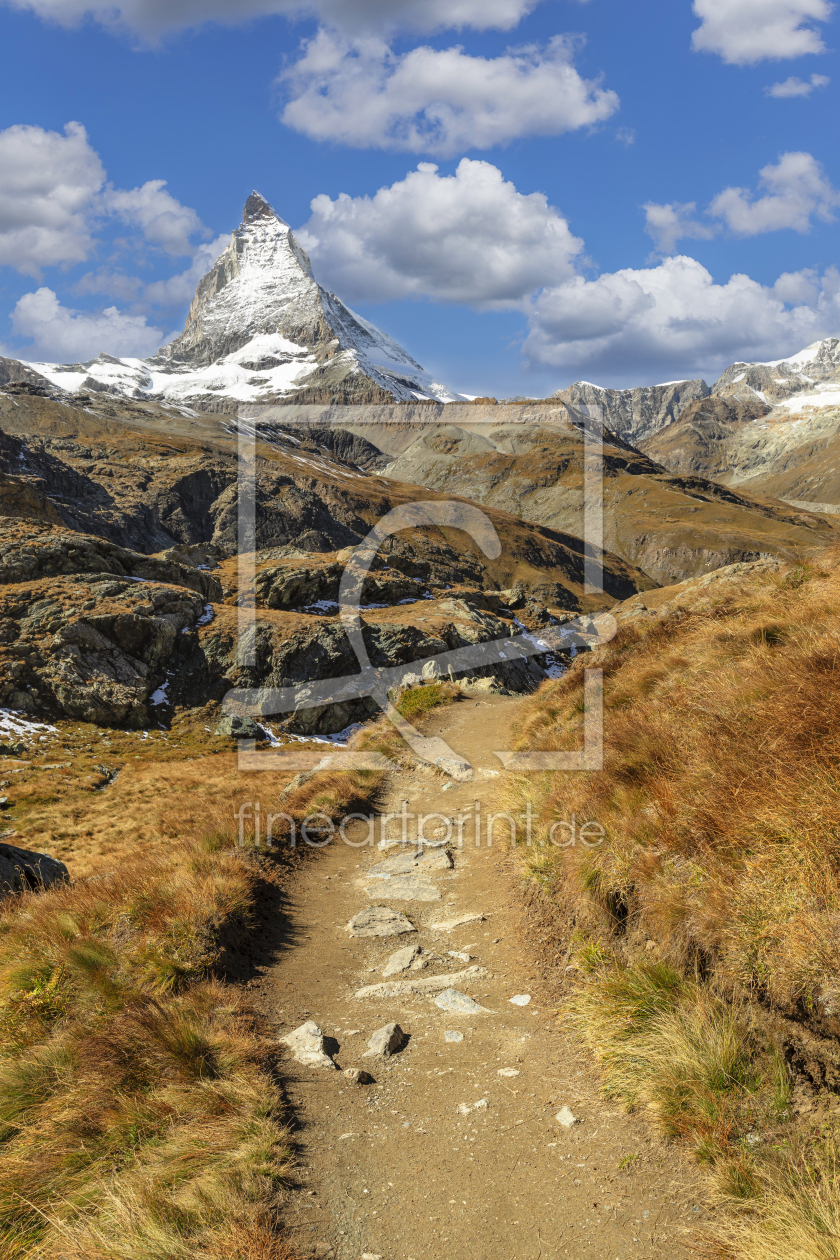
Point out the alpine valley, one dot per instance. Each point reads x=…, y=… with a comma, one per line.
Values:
x=182, y=669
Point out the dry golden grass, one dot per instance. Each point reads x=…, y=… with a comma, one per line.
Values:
x=139, y=1111
x=721, y=853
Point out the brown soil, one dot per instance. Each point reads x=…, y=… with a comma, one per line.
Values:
x=394, y=1169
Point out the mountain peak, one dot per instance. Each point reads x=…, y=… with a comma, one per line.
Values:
x=256, y=208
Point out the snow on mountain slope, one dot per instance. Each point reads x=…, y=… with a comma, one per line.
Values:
x=261, y=329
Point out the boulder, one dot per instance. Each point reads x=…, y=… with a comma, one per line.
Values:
x=385, y=1042
x=21, y=869
x=307, y=1045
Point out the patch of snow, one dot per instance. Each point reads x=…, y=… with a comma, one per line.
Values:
x=207, y=616
x=14, y=723
x=160, y=696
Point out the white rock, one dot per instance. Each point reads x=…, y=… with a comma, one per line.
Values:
x=460, y=954
x=385, y=1042
x=521, y=999
x=508, y=1072
x=379, y=921
x=413, y=863
x=459, y=1003
x=449, y=925
x=307, y=1046
x=404, y=888
x=451, y=1035
x=566, y=1117
x=401, y=960
x=433, y=984
x=358, y=1076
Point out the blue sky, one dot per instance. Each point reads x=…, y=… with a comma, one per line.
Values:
x=603, y=171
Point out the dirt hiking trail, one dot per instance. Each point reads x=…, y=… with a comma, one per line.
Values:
x=454, y=1150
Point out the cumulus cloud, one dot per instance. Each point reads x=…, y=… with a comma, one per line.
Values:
x=796, y=87
x=151, y=18
x=673, y=222
x=675, y=318
x=469, y=237
x=743, y=32
x=53, y=199
x=163, y=221
x=359, y=92
x=66, y=336
x=797, y=190
x=48, y=186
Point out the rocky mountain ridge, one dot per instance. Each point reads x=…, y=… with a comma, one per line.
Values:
x=260, y=329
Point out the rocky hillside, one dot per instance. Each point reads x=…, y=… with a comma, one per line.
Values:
x=634, y=414
x=119, y=578
x=530, y=462
x=260, y=328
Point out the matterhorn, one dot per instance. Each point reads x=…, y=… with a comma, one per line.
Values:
x=261, y=329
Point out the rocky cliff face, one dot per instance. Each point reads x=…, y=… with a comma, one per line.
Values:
x=634, y=414
x=774, y=382
x=261, y=329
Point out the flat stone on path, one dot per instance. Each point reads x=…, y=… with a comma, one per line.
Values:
x=379, y=921
x=307, y=1045
x=405, y=888
x=449, y=925
x=451, y=1035
x=434, y=984
x=413, y=863
x=566, y=1117
x=459, y=1003
x=521, y=999
x=401, y=960
x=385, y=1042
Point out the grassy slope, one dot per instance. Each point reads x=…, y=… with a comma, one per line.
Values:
x=704, y=931
x=140, y=1114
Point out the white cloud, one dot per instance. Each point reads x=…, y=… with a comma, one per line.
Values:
x=67, y=336
x=53, y=197
x=797, y=189
x=743, y=32
x=674, y=317
x=468, y=237
x=151, y=18
x=667, y=224
x=163, y=221
x=358, y=92
x=48, y=185
x=797, y=87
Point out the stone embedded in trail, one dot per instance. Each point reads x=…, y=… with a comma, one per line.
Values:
x=460, y=954
x=434, y=984
x=508, y=1072
x=451, y=1035
x=456, y=767
x=358, y=1076
x=521, y=999
x=459, y=1003
x=379, y=921
x=566, y=1117
x=401, y=960
x=307, y=1045
x=449, y=925
x=385, y=1042
x=417, y=862
x=405, y=888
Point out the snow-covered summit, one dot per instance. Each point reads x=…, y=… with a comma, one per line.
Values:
x=261, y=329
x=811, y=370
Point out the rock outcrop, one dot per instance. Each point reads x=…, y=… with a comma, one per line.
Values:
x=635, y=414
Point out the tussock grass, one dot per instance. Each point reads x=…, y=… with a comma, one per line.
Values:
x=719, y=802
x=140, y=1114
